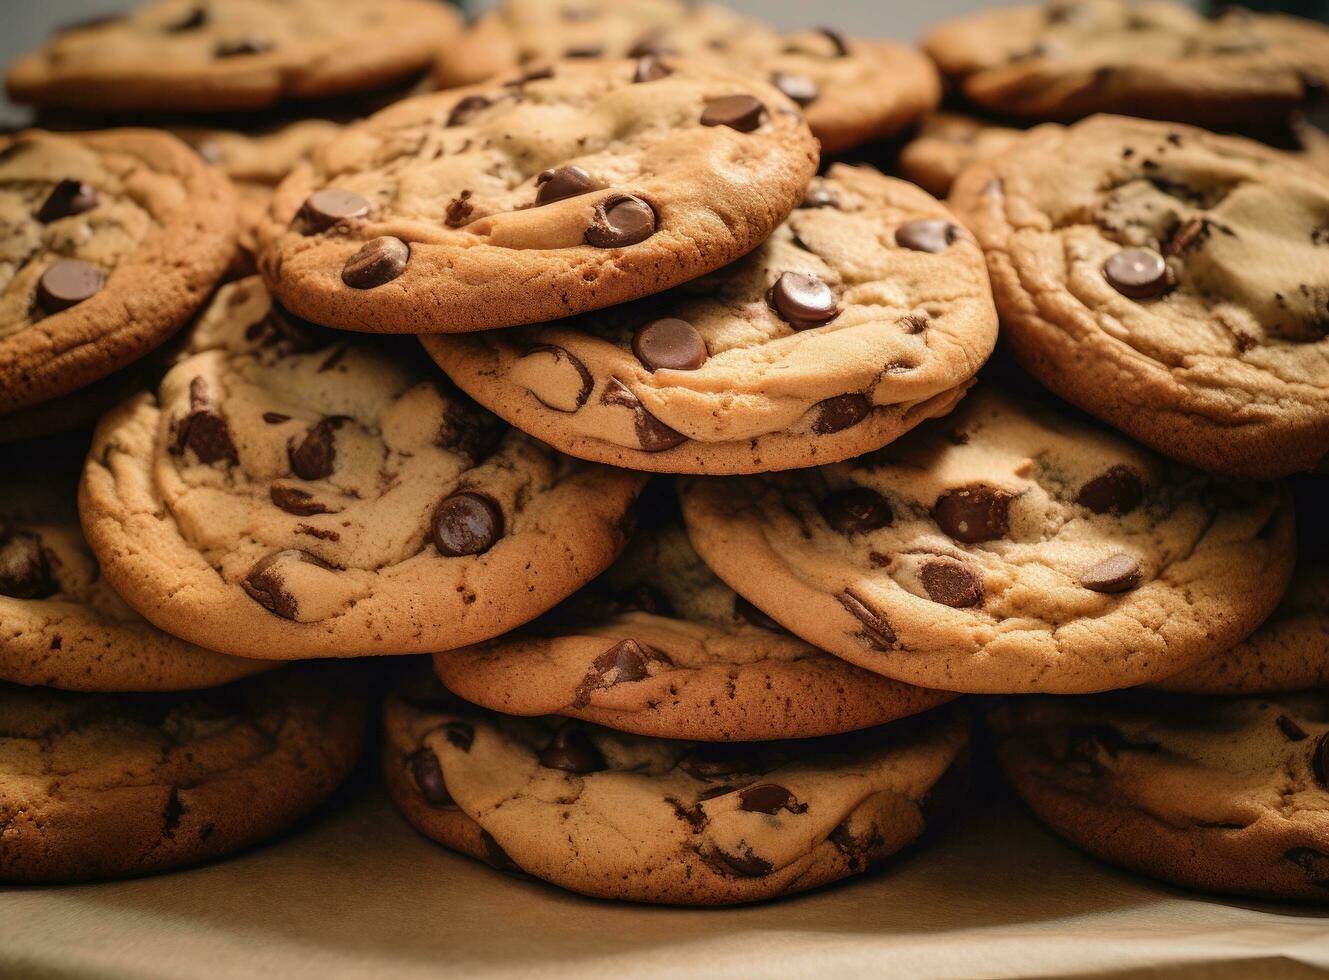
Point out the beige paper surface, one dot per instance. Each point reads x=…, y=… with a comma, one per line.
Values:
x=359, y=894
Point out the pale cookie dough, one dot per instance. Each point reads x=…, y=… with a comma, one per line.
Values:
x=1162, y=60
x=1172, y=282
x=106, y=786
x=1003, y=550
x=1228, y=795
x=288, y=492
x=112, y=240
x=865, y=313
x=648, y=820
x=552, y=193
x=947, y=143
x=62, y=625
x=659, y=646
x=853, y=90
x=227, y=55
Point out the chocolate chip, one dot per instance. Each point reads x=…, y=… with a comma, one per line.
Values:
x=974, y=513
x=802, y=300
x=1290, y=729
x=467, y=109
x=459, y=210
x=669, y=343
x=428, y=776
x=746, y=864
x=1118, y=491
x=652, y=434
x=877, y=631
x=67, y=198
x=25, y=569
x=819, y=196
x=619, y=221
x=627, y=661
x=1120, y=573
x=1139, y=273
x=928, y=234
x=379, y=261
x=952, y=584
x=799, y=88
x=651, y=44
x=741, y=112
x=591, y=51
x=769, y=798
x=838, y=42
x=266, y=585
x=856, y=510
x=323, y=209
x=295, y=501
x=650, y=69
x=560, y=356
x=572, y=751
x=192, y=21
x=749, y=613
x=314, y=458
x=467, y=523
x=712, y=760
x=68, y=283
x=840, y=412
x=1320, y=761
x=555, y=185
x=204, y=430
x=495, y=856
x=241, y=46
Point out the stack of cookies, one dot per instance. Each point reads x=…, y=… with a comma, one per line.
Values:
x=694, y=498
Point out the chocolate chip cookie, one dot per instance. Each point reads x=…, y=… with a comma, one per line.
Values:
x=1172, y=282
x=659, y=646
x=1228, y=795
x=865, y=313
x=651, y=820
x=65, y=627
x=105, y=786
x=289, y=492
x=551, y=193
x=1003, y=549
x=113, y=240
x=1162, y=60
x=214, y=55
x=947, y=143
x=853, y=90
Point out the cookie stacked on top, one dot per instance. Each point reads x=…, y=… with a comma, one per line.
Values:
x=623, y=255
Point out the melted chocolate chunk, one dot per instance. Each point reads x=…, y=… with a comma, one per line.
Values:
x=572, y=751
x=626, y=662
x=671, y=344
x=952, y=584
x=428, y=777
x=266, y=585
x=467, y=523
x=769, y=798
x=325, y=208
x=25, y=568
x=564, y=182
x=1120, y=573
x=741, y=112
x=856, y=510
x=803, y=300
x=877, y=631
x=974, y=513
x=315, y=456
x=1118, y=492
x=652, y=434
x=67, y=198
x=379, y=261
x=620, y=221
x=67, y=283
x=204, y=430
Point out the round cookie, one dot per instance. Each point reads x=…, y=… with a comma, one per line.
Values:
x=105, y=786
x=288, y=492
x=113, y=240
x=651, y=820
x=210, y=55
x=659, y=646
x=853, y=90
x=947, y=143
x=1003, y=550
x=1160, y=60
x=1170, y=281
x=560, y=191
x=66, y=627
x=1221, y=794
x=865, y=313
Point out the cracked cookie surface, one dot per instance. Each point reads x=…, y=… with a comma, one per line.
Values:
x=112, y=241
x=213, y=55
x=1223, y=794
x=1172, y=282
x=553, y=193
x=659, y=646
x=104, y=786
x=853, y=90
x=1003, y=550
x=654, y=820
x=865, y=313
x=290, y=492
x=1155, y=59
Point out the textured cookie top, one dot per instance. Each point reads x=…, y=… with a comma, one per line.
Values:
x=650, y=819
x=557, y=192
x=658, y=645
x=112, y=240
x=869, y=293
x=852, y=90
x=947, y=143
x=1002, y=549
x=231, y=54
x=1174, y=282
x=289, y=492
x=1156, y=59
x=263, y=157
